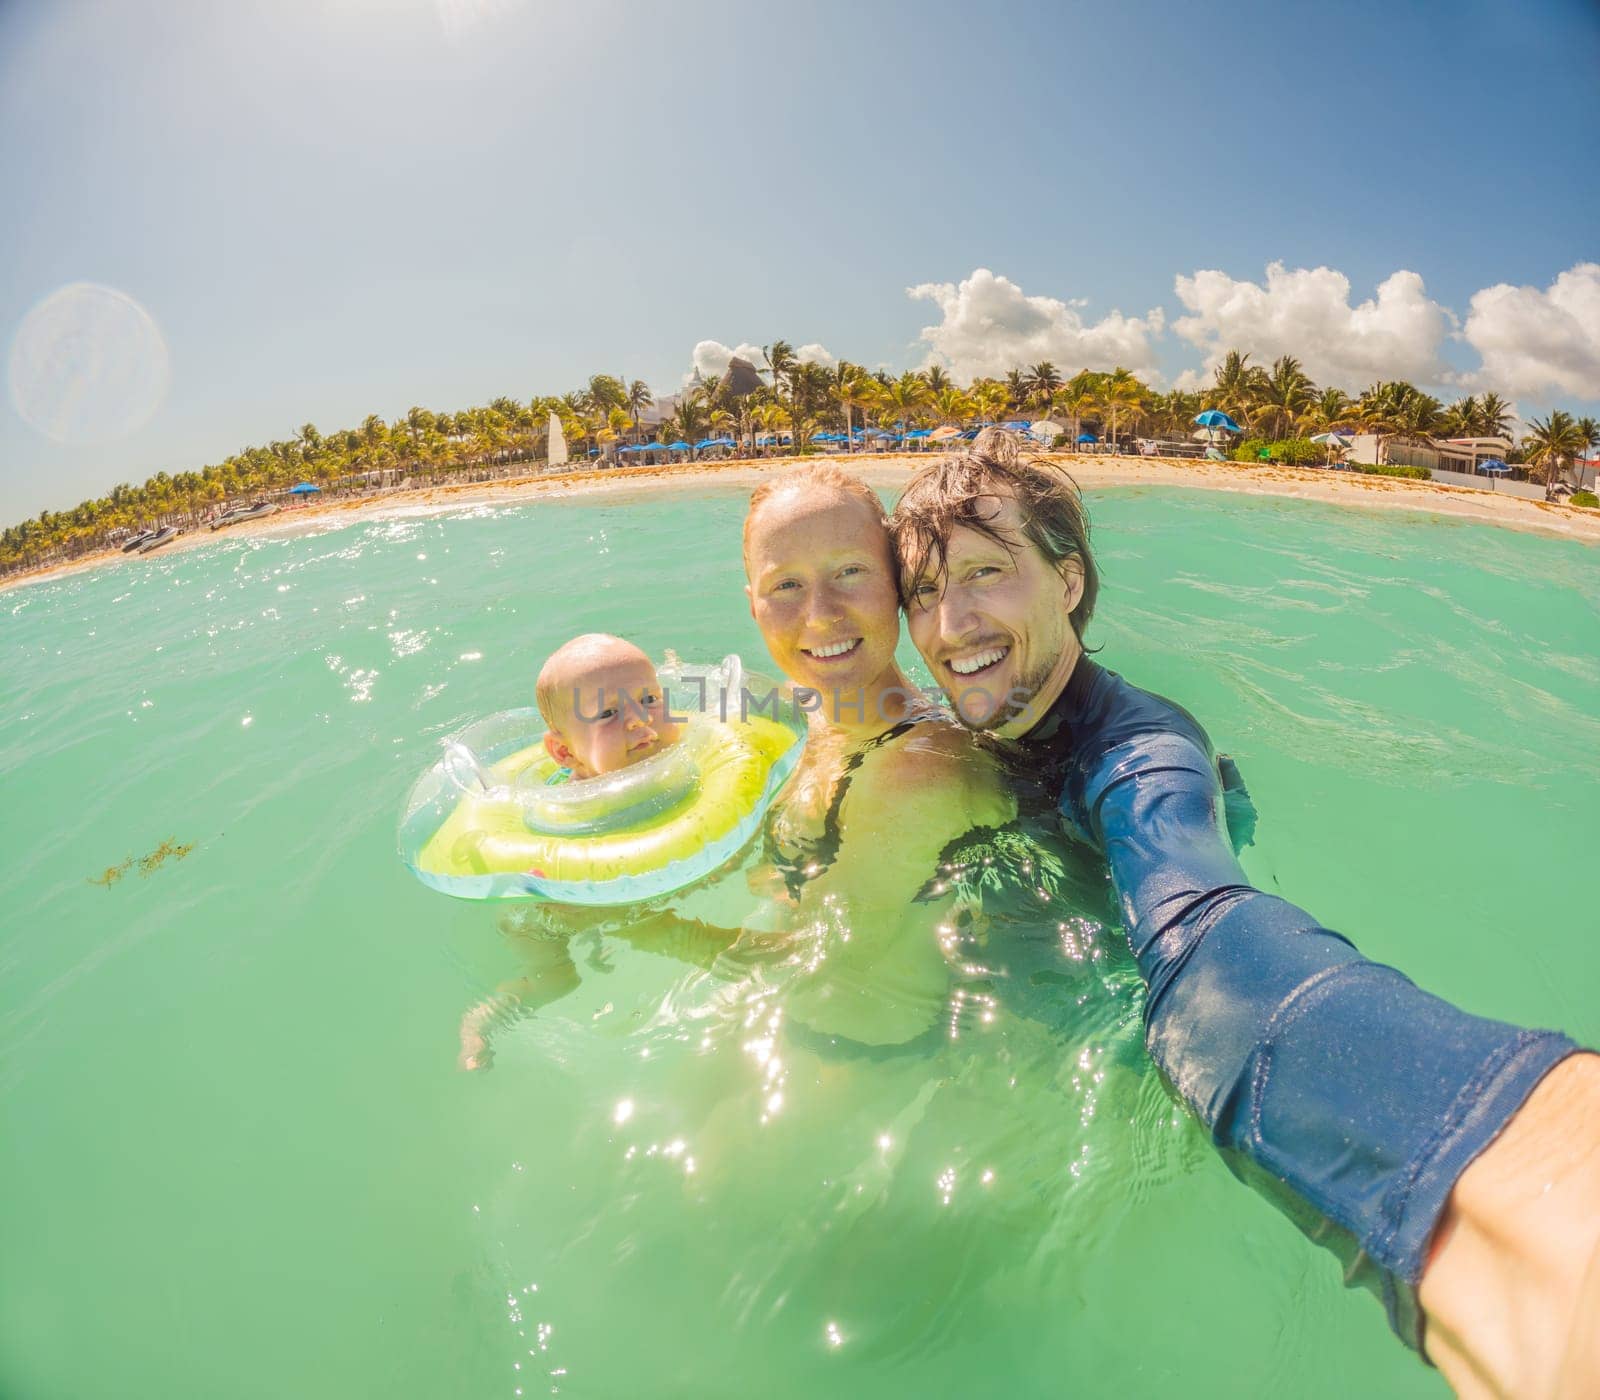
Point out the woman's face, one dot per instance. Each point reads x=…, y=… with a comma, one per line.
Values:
x=822, y=589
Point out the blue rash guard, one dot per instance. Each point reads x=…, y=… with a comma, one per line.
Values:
x=1332, y=1076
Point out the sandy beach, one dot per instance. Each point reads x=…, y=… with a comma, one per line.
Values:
x=889, y=472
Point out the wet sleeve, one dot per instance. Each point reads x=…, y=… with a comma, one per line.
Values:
x=1339, y=1078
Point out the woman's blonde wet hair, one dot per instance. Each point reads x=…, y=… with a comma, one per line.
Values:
x=813, y=474
x=960, y=489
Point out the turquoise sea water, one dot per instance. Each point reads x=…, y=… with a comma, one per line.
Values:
x=237, y=1157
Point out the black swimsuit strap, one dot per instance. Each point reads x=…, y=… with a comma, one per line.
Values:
x=817, y=855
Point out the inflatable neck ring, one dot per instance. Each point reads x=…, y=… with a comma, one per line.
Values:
x=496, y=818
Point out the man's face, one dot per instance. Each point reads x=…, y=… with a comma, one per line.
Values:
x=615, y=718
x=996, y=632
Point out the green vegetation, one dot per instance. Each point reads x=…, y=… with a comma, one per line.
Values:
x=1583, y=498
x=1410, y=473
x=1280, y=408
x=1292, y=452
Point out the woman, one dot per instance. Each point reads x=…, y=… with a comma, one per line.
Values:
x=855, y=915
x=888, y=784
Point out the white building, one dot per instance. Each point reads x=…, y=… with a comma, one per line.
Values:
x=1451, y=455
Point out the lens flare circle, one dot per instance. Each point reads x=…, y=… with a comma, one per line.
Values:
x=88, y=365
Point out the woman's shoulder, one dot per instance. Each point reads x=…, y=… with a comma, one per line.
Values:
x=936, y=760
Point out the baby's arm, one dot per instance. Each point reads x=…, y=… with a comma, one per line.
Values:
x=550, y=977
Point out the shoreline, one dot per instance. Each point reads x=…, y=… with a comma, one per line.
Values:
x=891, y=471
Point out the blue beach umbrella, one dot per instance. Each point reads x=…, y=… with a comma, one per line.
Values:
x=1494, y=467
x=677, y=447
x=706, y=442
x=305, y=488
x=1216, y=418
x=1087, y=437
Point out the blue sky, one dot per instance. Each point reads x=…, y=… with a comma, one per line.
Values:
x=353, y=206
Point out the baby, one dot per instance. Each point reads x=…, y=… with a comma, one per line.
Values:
x=605, y=709
x=603, y=706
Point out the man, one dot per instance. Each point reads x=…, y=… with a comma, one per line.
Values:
x=1460, y=1156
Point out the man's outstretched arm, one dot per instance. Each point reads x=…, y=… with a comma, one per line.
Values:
x=1365, y=1096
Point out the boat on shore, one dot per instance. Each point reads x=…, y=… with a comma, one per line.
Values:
x=254, y=511
x=129, y=546
x=161, y=537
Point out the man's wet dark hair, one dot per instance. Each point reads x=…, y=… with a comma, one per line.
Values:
x=961, y=489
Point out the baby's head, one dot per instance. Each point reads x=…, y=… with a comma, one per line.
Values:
x=603, y=705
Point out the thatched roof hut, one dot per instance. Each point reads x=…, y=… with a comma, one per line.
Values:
x=741, y=378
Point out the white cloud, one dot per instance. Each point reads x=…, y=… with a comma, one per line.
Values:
x=1539, y=343
x=712, y=356
x=989, y=325
x=815, y=354
x=1307, y=313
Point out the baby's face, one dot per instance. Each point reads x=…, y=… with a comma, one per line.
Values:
x=616, y=716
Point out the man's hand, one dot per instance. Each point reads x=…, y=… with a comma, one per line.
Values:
x=1512, y=1291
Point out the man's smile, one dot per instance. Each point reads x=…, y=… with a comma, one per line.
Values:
x=979, y=661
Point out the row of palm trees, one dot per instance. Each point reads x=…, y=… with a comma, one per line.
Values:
x=796, y=397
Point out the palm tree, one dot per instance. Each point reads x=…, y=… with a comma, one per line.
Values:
x=1120, y=394
x=1590, y=428
x=1331, y=409
x=1282, y=396
x=1237, y=384
x=854, y=389
x=780, y=360
x=937, y=379
x=1460, y=419
x=1550, y=442
x=1016, y=388
x=607, y=392
x=810, y=389
x=1077, y=399
x=989, y=399
x=639, y=399
x=904, y=399
x=1494, y=417
x=1042, y=381
x=952, y=405
x=1395, y=409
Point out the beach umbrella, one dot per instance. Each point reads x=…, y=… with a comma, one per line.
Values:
x=1087, y=437
x=1046, y=428
x=945, y=433
x=1492, y=468
x=677, y=447
x=706, y=442
x=1334, y=442
x=920, y=433
x=305, y=488
x=1214, y=418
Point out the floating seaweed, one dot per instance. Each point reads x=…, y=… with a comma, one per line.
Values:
x=111, y=874
x=149, y=863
